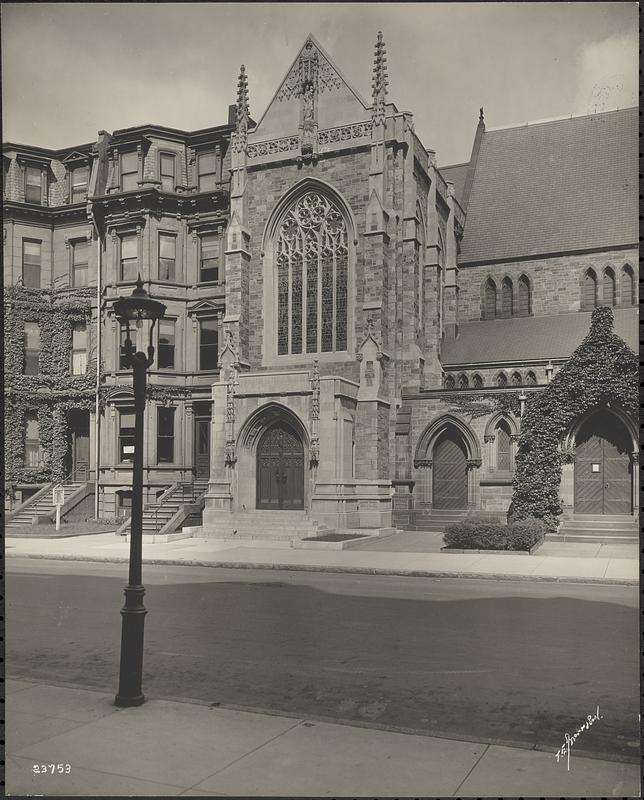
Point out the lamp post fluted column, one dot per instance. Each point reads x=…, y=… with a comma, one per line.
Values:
x=133, y=612
x=136, y=308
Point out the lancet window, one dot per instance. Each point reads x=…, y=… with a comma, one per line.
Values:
x=312, y=261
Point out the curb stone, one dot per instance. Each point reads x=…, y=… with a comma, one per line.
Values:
x=330, y=568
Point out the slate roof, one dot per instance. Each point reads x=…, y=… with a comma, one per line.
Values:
x=553, y=187
x=531, y=338
x=456, y=174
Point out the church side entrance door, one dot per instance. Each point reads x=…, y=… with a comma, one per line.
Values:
x=450, y=473
x=280, y=469
x=602, y=467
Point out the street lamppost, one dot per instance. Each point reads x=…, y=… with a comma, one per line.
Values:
x=136, y=308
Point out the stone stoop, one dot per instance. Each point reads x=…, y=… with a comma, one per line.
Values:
x=261, y=525
x=599, y=528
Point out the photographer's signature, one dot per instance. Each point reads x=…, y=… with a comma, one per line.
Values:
x=566, y=747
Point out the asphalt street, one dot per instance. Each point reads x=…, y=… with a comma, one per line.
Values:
x=516, y=661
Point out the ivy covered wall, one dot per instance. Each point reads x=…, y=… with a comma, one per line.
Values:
x=603, y=370
x=54, y=392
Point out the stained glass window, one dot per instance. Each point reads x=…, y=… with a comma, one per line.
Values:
x=312, y=261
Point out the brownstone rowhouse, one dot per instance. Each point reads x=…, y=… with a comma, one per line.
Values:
x=352, y=330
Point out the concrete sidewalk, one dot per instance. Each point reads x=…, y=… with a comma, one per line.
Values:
x=259, y=555
x=176, y=748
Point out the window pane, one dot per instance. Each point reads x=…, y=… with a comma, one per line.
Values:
x=207, y=163
x=126, y=434
x=32, y=336
x=31, y=251
x=210, y=245
x=80, y=252
x=31, y=259
x=79, y=336
x=79, y=363
x=79, y=176
x=79, y=276
x=166, y=344
x=207, y=183
x=167, y=166
x=129, y=162
x=165, y=435
x=32, y=358
x=32, y=427
x=167, y=246
x=33, y=185
x=129, y=182
x=31, y=276
x=208, y=344
x=503, y=448
x=128, y=247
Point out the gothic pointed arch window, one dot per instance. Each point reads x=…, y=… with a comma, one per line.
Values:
x=420, y=259
x=609, y=287
x=525, y=299
x=507, y=300
x=589, y=291
x=477, y=381
x=449, y=382
x=629, y=297
x=517, y=380
x=501, y=380
x=463, y=382
x=503, y=447
x=530, y=379
x=312, y=265
x=489, y=299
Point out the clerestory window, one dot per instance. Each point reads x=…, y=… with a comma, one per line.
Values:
x=312, y=261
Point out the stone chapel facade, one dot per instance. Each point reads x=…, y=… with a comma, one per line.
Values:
x=352, y=331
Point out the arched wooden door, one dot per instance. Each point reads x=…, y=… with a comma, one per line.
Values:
x=449, y=472
x=280, y=469
x=603, y=477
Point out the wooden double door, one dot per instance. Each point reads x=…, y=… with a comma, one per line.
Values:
x=603, y=471
x=280, y=469
x=449, y=485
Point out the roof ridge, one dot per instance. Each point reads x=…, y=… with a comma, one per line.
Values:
x=551, y=120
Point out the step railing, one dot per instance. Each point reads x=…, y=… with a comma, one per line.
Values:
x=123, y=528
x=30, y=501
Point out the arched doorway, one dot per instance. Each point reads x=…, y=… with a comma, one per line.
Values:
x=450, y=472
x=280, y=469
x=603, y=479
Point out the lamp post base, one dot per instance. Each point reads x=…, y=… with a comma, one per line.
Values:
x=131, y=674
x=126, y=702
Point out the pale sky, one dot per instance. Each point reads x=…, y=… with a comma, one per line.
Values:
x=70, y=70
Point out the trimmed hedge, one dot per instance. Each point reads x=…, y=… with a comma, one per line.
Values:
x=481, y=534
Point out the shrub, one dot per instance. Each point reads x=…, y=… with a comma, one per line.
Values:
x=524, y=534
x=475, y=534
x=481, y=534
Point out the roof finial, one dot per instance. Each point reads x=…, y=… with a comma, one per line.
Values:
x=380, y=81
x=243, y=111
x=481, y=117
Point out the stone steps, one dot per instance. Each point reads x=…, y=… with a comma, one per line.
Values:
x=609, y=528
x=268, y=525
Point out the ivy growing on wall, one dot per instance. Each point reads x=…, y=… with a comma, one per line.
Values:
x=54, y=392
x=483, y=404
x=603, y=370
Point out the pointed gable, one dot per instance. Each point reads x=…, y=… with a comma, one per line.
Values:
x=338, y=102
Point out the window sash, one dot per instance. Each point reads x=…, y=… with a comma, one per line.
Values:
x=33, y=185
x=208, y=344
x=122, y=340
x=209, y=258
x=127, y=417
x=129, y=171
x=79, y=182
x=31, y=263
x=32, y=452
x=166, y=344
x=79, y=362
x=129, y=258
x=165, y=435
x=167, y=171
x=167, y=257
x=207, y=172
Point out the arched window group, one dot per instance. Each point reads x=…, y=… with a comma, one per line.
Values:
x=312, y=275
x=463, y=381
x=610, y=295
x=502, y=302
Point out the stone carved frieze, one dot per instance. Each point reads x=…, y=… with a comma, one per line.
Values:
x=272, y=147
x=360, y=130
x=311, y=59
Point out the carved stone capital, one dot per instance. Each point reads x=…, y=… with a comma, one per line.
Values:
x=473, y=463
x=423, y=463
x=489, y=437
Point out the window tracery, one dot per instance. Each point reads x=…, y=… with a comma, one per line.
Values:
x=312, y=277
